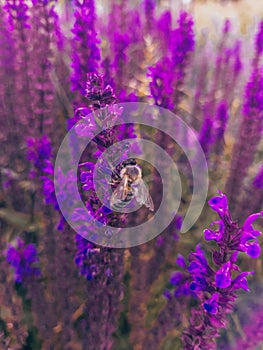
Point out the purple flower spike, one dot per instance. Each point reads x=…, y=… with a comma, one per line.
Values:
x=223, y=276
x=201, y=279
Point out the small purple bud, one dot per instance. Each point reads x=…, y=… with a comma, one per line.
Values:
x=180, y=261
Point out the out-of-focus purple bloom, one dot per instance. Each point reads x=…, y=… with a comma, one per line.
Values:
x=259, y=40
x=176, y=278
x=161, y=84
x=250, y=132
x=206, y=134
x=164, y=26
x=180, y=261
x=85, y=257
x=213, y=129
x=24, y=259
x=221, y=121
x=164, y=85
x=149, y=7
x=182, y=42
x=40, y=154
x=120, y=44
x=258, y=180
x=85, y=50
x=39, y=151
x=237, y=62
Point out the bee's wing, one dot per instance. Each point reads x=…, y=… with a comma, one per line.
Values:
x=121, y=192
x=143, y=196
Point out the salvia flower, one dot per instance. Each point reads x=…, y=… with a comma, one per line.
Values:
x=24, y=259
x=214, y=285
x=85, y=50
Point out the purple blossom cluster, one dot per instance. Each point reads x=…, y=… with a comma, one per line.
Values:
x=215, y=285
x=165, y=87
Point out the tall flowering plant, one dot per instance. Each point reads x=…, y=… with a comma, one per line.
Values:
x=61, y=291
x=214, y=284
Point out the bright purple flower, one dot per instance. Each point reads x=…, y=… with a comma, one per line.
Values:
x=211, y=305
x=251, y=247
x=240, y=282
x=219, y=203
x=223, y=276
x=199, y=263
x=215, y=235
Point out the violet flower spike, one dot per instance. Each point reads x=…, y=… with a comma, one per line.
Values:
x=214, y=286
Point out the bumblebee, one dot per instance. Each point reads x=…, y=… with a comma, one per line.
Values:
x=130, y=185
